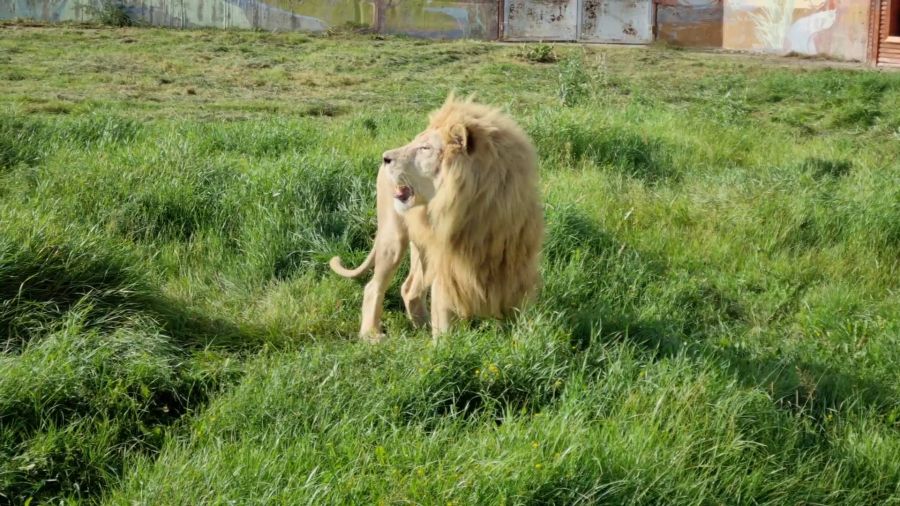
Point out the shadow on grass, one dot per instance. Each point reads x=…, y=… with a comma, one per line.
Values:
x=38, y=286
x=702, y=320
x=647, y=158
x=98, y=365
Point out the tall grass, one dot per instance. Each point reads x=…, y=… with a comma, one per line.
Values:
x=719, y=320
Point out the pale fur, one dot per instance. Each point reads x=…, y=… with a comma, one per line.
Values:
x=477, y=239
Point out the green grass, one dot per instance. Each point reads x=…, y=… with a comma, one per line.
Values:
x=719, y=322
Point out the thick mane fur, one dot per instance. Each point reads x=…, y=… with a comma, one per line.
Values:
x=483, y=230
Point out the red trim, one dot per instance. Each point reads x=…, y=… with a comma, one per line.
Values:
x=874, y=21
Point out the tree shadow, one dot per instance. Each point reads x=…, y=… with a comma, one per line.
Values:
x=39, y=287
x=84, y=432
x=706, y=315
x=796, y=384
x=648, y=158
x=812, y=386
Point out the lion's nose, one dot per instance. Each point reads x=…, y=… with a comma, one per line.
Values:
x=387, y=158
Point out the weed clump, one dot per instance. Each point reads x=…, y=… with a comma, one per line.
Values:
x=113, y=13
x=349, y=28
x=538, y=53
x=574, y=81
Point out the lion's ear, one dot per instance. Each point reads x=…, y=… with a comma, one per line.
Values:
x=462, y=138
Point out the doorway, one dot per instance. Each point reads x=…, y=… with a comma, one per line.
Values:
x=894, y=28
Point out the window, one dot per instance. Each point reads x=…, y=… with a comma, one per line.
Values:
x=894, y=18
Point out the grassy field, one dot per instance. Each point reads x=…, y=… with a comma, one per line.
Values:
x=720, y=321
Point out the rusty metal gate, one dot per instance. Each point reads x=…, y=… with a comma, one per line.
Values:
x=621, y=21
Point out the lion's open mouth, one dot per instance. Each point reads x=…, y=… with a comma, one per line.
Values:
x=403, y=193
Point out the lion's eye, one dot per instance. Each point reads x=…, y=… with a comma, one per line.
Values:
x=424, y=148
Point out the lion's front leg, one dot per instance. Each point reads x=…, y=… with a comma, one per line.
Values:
x=441, y=313
x=389, y=253
x=391, y=242
x=415, y=287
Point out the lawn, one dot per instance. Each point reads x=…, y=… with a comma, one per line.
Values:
x=719, y=321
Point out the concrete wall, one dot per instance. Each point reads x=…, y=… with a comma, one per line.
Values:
x=436, y=18
x=836, y=28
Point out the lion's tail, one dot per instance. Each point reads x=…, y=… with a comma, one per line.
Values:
x=338, y=267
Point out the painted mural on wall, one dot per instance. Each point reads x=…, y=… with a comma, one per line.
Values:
x=696, y=23
x=427, y=18
x=815, y=27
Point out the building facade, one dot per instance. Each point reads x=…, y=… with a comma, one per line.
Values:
x=861, y=30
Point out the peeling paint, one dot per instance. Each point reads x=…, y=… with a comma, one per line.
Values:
x=620, y=21
x=628, y=21
x=540, y=20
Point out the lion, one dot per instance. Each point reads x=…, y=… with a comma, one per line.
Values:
x=463, y=198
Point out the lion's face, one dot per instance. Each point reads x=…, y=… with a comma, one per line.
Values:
x=415, y=170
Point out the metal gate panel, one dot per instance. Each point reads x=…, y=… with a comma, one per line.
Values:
x=621, y=21
x=540, y=20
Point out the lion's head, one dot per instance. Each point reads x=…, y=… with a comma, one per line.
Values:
x=415, y=169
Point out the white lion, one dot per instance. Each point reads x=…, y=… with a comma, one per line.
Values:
x=464, y=196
